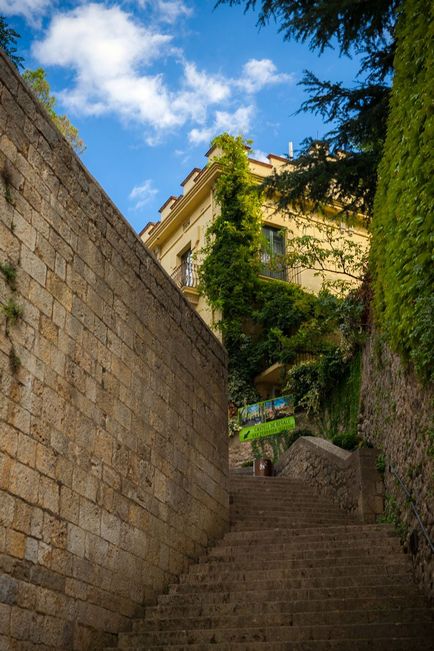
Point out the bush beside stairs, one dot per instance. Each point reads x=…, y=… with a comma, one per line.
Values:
x=294, y=572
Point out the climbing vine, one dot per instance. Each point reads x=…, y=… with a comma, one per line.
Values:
x=9, y=308
x=404, y=205
x=230, y=267
x=262, y=321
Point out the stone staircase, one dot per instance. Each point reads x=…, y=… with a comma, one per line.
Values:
x=294, y=572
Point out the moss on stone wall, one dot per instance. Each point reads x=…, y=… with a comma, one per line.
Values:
x=404, y=207
x=342, y=410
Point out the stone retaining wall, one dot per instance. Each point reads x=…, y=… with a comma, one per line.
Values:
x=396, y=416
x=350, y=479
x=113, y=445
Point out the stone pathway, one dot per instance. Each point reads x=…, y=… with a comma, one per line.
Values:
x=293, y=573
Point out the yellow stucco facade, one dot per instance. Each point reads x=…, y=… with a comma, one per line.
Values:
x=179, y=236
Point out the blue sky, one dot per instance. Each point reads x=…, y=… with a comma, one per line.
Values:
x=148, y=83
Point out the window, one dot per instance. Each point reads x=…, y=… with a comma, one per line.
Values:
x=187, y=269
x=273, y=255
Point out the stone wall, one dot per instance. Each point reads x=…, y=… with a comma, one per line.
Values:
x=350, y=479
x=397, y=417
x=114, y=464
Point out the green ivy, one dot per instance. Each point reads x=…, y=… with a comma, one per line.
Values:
x=230, y=267
x=266, y=321
x=404, y=207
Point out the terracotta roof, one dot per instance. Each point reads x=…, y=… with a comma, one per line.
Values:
x=171, y=198
x=195, y=170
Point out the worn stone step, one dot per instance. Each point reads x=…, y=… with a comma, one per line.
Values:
x=224, y=609
x=329, y=582
x=286, y=523
x=260, y=593
x=417, y=630
x=277, y=562
x=307, y=507
x=324, y=618
x=243, y=542
x=379, y=644
x=338, y=532
x=222, y=575
x=286, y=552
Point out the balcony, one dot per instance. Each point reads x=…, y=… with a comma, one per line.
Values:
x=275, y=267
x=186, y=275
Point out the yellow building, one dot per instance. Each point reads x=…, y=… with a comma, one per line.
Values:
x=179, y=236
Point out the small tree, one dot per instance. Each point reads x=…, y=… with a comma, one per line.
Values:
x=38, y=82
x=8, y=39
x=358, y=114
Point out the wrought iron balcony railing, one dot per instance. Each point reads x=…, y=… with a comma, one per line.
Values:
x=186, y=275
x=273, y=267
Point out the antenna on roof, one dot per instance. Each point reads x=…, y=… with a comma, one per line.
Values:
x=290, y=150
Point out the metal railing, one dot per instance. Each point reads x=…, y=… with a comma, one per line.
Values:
x=413, y=506
x=186, y=275
x=275, y=267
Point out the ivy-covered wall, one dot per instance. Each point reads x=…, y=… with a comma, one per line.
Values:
x=404, y=207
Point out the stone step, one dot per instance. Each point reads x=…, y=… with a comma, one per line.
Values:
x=417, y=630
x=313, y=535
x=253, y=608
x=262, y=594
x=245, y=544
x=287, y=552
x=285, y=523
x=303, y=582
x=379, y=644
x=295, y=573
x=305, y=507
x=243, y=563
x=220, y=575
x=324, y=618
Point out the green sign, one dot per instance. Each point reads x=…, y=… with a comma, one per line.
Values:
x=267, y=429
x=266, y=418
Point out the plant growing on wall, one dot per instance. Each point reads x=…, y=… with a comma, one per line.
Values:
x=8, y=40
x=403, y=217
x=230, y=267
x=262, y=322
x=38, y=82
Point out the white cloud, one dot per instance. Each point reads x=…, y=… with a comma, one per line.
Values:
x=168, y=11
x=143, y=194
x=32, y=10
x=113, y=58
x=106, y=49
x=258, y=73
x=199, y=91
x=238, y=122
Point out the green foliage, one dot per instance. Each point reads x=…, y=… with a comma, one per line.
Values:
x=12, y=312
x=329, y=251
x=343, y=166
x=38, y=82
x=392, y=515
x=7, y=179
x=266, y=321
x=9, y=271
x=380, y=463
x=403, y=270
x=353, y=24
x=229, y=271
x=346, y=441
x=328, y=389
x=8, y=40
